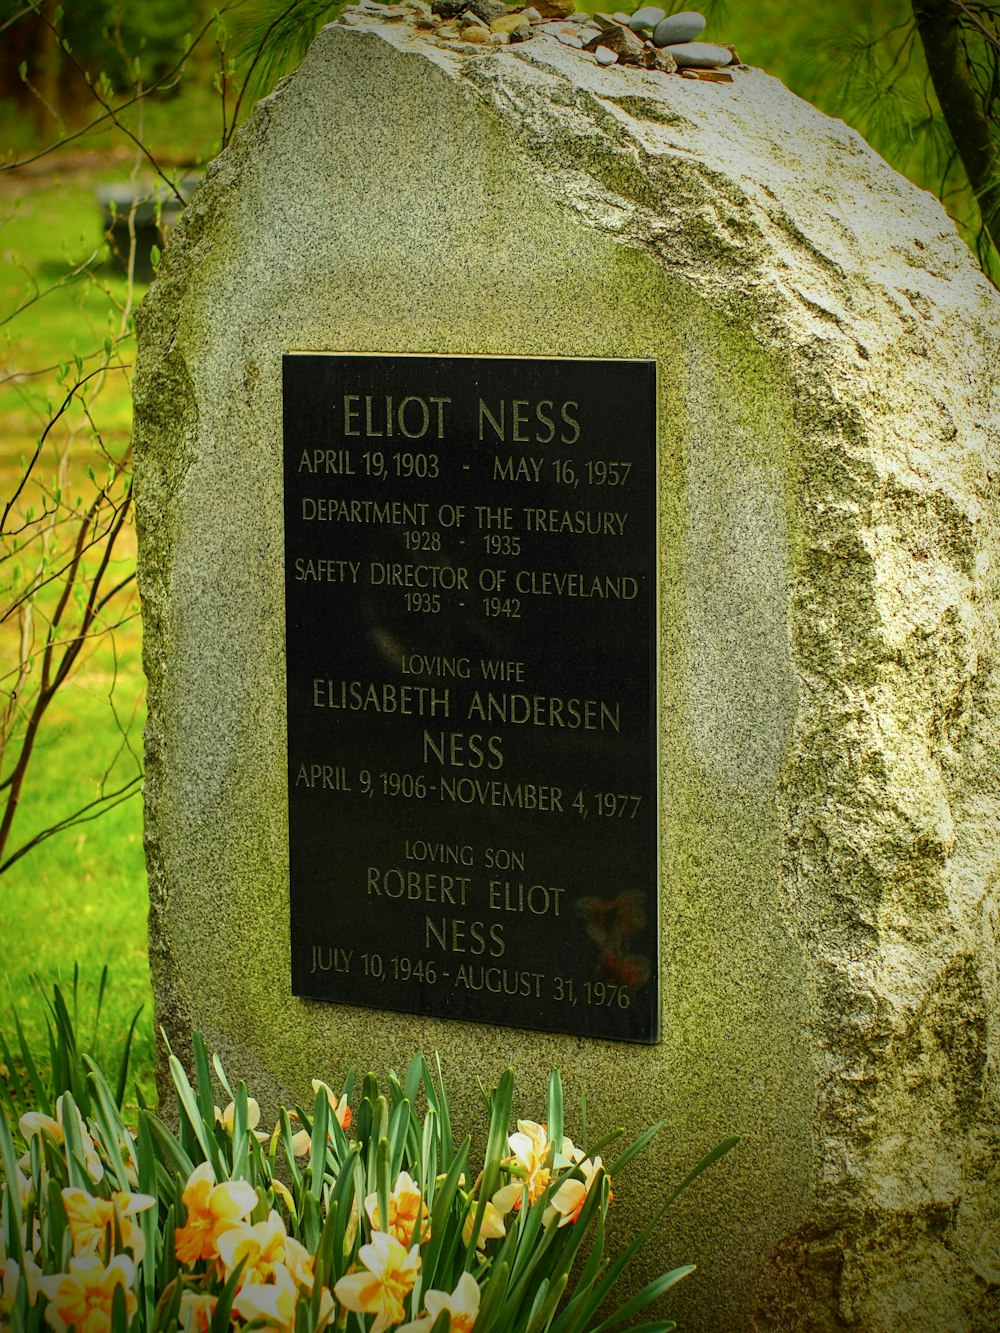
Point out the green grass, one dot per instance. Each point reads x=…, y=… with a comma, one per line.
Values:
x=80, y=897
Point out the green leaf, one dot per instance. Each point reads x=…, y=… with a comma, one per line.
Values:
x=555, y=1109
x=126, y=1056
x=317, y=1151
x=79, y=1176
x=39, y=1091
x=220, y=1073
x=11, y=1196
x=383, y=1185
x=493, y=1297
x=220, y=1315
x=203, y=1080
x=635, y=1147
x=203, y=1132
x=427, y=1174
x=109, y=1124
x=241, y=1134
x=501, y=1102
x=446, y=1139
x=155, y=254
x=171, y=1150
x=642, y=1298
x=434, y=1255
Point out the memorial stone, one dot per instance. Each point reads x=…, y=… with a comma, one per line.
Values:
x=569, y=547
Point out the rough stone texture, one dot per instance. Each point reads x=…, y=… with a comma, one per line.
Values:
x=830, y=465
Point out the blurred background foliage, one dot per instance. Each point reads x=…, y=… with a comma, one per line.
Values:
x=134, y=95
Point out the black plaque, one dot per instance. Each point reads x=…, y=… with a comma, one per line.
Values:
x=470, y=569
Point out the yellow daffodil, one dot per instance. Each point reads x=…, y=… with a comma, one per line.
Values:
x=196, y=1311
x=569, y=1198
x=25, y=1186
x=492, y=1226
x=82, y=1298
x=530, y=1149
x=462, y=1306
x=260, y=1247
x=37, y=1123
x=338, y=1106
x=227, y=1119
x=285, y=1195
x=92, y=1221
x=351, y=1230
x=301, y=1139
x=382, y=1289
x=275, y=1302
x=211, y=1209
x=300, y=1263
x=10, y=1278
x=406, y=1207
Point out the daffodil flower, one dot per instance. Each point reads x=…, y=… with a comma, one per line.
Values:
x=285, y=1195
x=92, y=1221
x=260, y=1247
x=34, y=1123
x=492, y=1226
x=462, y=1305
x=530, y=1149
x=338, y=1105
x=10, y=1278
x=82, y=1298
x=196, y=1311
x=211, y=1209
x=276, y=1301
x=381, y=1291
x=569, y=1198
x=300, y=1263
x=227, y=1119
x=406, y=1209
x=301, y=1139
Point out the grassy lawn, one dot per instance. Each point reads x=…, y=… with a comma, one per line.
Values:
x=80, y=896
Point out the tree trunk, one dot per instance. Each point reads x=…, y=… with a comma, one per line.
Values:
x=940, y=32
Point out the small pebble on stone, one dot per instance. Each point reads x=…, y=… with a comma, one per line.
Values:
x=605, y=57
x=646, y=18
x=487, y=10
x=683, y=27
x=532, y=14
x=570, y=39
x=509, y=23
x=477, y=33
x=619, y=17
x=699, y=55
x=554, y=9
